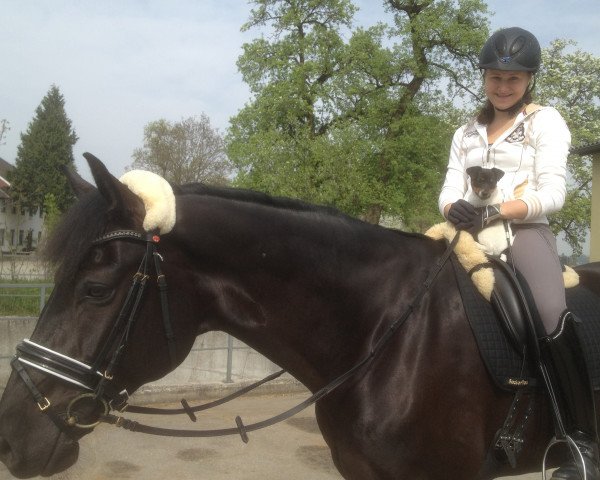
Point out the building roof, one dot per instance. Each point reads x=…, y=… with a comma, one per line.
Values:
x=589, y=149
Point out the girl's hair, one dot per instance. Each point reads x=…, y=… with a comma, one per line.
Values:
x=486, y=114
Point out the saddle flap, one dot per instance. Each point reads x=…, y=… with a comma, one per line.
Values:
x=506, y=364
x=511, y=307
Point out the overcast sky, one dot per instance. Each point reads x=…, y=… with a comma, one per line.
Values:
x=123, y=63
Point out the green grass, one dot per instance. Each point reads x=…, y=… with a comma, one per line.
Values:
x=23, y=300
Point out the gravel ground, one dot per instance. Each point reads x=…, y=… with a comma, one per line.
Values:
x=292, y=450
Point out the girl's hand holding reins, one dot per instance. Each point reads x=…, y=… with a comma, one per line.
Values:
x=462, y=215
x=465, y=216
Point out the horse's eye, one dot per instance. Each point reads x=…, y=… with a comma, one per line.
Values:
x=98, y=291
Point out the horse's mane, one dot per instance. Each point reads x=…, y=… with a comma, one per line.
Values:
x=71, y=238
x=253, y=196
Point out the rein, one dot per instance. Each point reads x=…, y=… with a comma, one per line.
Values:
x=99, y=388
x=242, y=429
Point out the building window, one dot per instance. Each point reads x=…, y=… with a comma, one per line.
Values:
x=12, y=237
x=2, y=205
x=21, y=236
x=1, y=237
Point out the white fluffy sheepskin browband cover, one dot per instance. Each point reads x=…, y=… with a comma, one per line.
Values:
x=158, y=198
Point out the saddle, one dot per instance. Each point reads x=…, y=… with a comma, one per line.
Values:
x=507, y=327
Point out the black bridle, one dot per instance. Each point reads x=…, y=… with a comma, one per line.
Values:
x=97, y=379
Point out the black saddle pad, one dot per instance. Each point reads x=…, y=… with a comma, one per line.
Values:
x=508, y=367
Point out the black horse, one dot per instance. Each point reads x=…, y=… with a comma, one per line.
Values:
x=308, y=287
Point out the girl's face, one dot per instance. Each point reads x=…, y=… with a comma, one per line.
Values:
x=505, y=88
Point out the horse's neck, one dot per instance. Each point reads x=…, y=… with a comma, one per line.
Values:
x=304, y=291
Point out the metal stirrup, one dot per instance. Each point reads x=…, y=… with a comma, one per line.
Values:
x=573, y=447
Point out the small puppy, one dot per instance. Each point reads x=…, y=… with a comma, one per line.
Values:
x=493, y=239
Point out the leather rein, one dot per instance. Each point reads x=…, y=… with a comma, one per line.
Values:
x=97, y=379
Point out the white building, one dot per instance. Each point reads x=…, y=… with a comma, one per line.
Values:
x=20, y=228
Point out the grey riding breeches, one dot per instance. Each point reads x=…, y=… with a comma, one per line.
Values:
x=535, y=255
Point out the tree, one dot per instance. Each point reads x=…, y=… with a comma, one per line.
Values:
x=4, y=128
x=45, y=148
x=186, y=151
x=358, y=124
x=568, y=80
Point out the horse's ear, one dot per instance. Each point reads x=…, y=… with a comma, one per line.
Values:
x=121, y=201
x=79, y=186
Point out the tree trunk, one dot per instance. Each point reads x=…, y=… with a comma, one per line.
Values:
x=373, y=214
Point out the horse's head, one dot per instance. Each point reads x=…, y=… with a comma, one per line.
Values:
x=103, y=322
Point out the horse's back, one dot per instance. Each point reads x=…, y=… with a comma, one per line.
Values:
x=589, y=276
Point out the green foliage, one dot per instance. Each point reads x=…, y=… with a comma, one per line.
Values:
x=362, y=118
x=568, y=80
x=4, y=128
x=45, y=148
x=186, y=151
x=52, y=213
x=359, y=123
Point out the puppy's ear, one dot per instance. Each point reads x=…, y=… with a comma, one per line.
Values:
x=498, y=173
x=473, y=171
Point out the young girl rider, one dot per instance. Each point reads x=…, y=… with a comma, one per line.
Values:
x=530, y=144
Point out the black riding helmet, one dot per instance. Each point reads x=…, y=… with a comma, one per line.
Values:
x=512, y=49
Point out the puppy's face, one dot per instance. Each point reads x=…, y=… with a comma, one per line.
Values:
x=484, y=180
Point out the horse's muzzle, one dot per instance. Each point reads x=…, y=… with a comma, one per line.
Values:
x=62, y=456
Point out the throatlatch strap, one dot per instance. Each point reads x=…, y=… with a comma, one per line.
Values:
x=164, y=305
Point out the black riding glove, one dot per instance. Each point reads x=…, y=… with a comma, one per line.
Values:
x=462, y=214
x=465, y=216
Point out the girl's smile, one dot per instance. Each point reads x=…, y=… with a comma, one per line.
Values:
x=505, y=88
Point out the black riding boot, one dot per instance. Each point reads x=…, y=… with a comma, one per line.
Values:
x=564, y=360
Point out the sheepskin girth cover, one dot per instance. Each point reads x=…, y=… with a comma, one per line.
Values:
x=469, y=255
